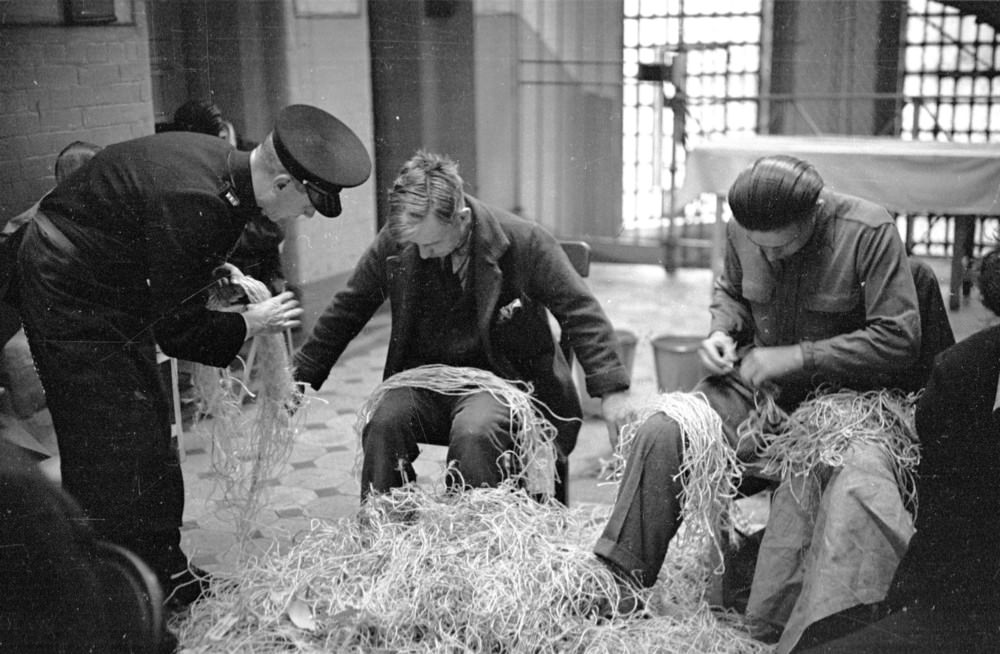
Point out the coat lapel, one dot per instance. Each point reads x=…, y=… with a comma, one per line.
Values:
x=490, y=244
x=402, y=271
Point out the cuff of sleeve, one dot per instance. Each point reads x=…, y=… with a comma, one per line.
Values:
x=808, y=355
x=304, y=372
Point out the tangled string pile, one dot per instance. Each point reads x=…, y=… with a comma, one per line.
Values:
x=709, y=471
x=822, y=429
x=486, y=570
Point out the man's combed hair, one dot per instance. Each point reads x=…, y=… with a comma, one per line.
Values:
x=774, y=192
x=428, y=184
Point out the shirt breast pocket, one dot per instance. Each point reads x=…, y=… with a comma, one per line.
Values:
x=760, y=297
x=830, y=314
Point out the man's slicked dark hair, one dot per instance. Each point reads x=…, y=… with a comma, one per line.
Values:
x=775, y=191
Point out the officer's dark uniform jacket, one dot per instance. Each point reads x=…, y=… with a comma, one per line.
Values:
x=161, y=209
x=121, y=251
x=518, y=270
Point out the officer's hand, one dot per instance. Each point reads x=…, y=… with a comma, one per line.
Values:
x=718, y=353
x=274, y=315
x=764, y=364
x=256, y=290
x=617, y=411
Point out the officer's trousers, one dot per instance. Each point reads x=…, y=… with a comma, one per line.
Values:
x=97, y=363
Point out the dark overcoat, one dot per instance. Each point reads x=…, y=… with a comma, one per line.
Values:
x=520, y=274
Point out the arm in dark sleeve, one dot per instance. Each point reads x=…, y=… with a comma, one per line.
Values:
x=889, y=343
x=557, y=285
x=730, y=312
x=345, y=316
x=184, y=244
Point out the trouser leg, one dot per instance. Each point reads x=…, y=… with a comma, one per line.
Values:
x=110, y=415
x=841, y=550
x=646, y=514
x=479, y=438
x=96, y=359
x=647, y=511
x=404, y=417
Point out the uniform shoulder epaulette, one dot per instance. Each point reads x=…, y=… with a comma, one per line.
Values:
x=228, y=194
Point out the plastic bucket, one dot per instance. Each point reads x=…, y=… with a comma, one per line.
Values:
x=678, y=367
x=626, y=351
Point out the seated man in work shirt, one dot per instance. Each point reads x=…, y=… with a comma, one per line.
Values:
x=816, y=289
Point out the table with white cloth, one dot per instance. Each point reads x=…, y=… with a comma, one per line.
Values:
x=912, y=177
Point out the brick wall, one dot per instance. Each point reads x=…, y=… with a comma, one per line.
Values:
x=64, y=83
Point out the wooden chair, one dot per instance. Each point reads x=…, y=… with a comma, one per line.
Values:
x=579, y=255
x=133, y=596
x=177, y=420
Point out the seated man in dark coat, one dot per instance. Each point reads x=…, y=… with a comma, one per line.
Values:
x=468, y=285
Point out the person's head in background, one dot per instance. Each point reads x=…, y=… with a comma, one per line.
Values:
x=72, y=157
x=229, y=133
x=989, y=281
x=200, y=116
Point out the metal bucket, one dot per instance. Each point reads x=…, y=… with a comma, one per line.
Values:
x=626, y=351
x=678, y=367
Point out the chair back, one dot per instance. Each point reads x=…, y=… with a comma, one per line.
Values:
x=935, y=328
x=133, y=597
x=579, y=255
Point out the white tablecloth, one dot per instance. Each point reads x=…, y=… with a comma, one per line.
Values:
x=903, y=176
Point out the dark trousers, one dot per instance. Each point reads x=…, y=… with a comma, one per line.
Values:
x=475, y=428
x=97, y=364
x=647, y=511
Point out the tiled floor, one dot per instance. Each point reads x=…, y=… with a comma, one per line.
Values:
x=318, y=482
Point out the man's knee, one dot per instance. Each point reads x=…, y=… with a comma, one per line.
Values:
x=467, y=437
x=480, y=428
x=659, y=435
x=385, y=419
x=388, y=431
x=394, y=413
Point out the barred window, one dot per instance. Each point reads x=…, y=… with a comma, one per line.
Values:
x=951, y=76
x=690, y=69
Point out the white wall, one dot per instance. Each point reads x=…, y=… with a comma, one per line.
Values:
x=328, y=65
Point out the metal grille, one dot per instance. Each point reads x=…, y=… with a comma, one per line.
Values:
x=951, y=76
x=691, y=69
x=951, y=92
